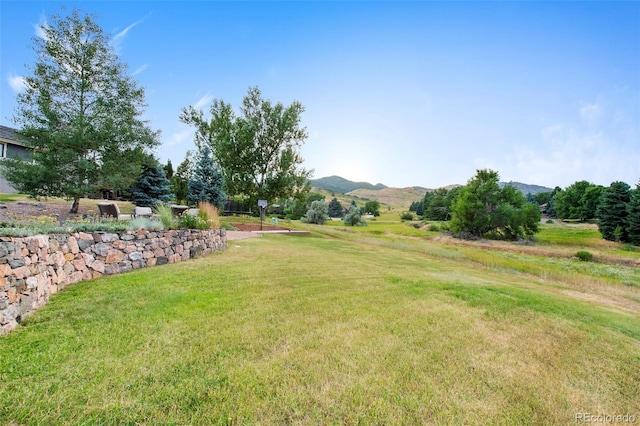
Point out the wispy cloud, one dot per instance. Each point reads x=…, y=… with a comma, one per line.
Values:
x=118, y=38
x=597, y=147
x=139, y=70
x=40, y=26
x=17, y=83
x=180, y=137
x=204, y=101
x=592, y=114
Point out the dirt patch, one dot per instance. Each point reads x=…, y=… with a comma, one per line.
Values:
x=24, y=211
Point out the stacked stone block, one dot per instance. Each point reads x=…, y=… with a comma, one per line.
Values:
x=34, y=268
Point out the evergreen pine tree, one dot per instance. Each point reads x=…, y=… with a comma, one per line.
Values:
x=152, y=187
x=612, y=212
x=633, y=217
x=335, y=208
x=180, y=179
x=168, y=170
x=206, y=182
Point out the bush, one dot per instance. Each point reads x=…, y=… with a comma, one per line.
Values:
x=317, y=213
x=209, y=213
x=406, y=216
x=354, y=217
x=584, y=256
x=433, y=227
x=165, y=215
x=187, y=221
x=145, y=223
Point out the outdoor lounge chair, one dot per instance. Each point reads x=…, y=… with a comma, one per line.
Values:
x=142, y=212
x=111, y=209
x=178, y=210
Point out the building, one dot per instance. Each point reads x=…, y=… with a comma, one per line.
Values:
x=10, y=147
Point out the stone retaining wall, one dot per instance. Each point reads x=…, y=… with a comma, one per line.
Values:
x=34, y=268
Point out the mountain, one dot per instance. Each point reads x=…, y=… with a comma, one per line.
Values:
x=367, y=191
x=526, y=188
x=342, y=185
x=399, y=197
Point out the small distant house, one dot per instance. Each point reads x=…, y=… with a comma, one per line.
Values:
x=10, y=147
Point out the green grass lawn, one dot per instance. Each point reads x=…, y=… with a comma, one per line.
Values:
x=333, y=328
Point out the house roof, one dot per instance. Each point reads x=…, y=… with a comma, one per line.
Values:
x=8, y=134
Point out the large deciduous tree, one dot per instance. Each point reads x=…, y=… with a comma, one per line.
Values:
x=578, y=201
x=258, y=150
x=81, y=115
x=372, y=207
x=483, y=208
x=438, y=203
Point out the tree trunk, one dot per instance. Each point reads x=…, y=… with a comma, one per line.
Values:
x=75, y=205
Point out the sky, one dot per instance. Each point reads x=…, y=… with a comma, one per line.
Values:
x=405, y=93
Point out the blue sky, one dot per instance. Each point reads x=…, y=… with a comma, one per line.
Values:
x=404, y=93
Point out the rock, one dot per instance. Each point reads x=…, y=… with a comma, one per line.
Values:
x=136, y=255
x=101, y=249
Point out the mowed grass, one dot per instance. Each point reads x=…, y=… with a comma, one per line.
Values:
x=338, y=328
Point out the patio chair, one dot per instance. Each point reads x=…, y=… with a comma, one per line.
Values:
x=178, y=210
x=111, y=209
x=142, y=212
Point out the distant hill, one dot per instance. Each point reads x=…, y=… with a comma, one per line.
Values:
x=526, y=188
x=398, y=197
x=342, y=185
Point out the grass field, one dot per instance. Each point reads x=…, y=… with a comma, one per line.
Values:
x=384, y=324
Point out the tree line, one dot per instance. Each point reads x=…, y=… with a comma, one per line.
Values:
x=482, y=208
x=81, y=115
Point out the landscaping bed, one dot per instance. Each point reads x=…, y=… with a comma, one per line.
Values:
x=21, y=210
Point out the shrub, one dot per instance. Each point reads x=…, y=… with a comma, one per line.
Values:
x=406, y=216
x=145, y=223
x=209, y=213
x=354, y=217
x=165, y=216
x=188, y=221
x=433, y=227
x=584, y=256
x=317, y=213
